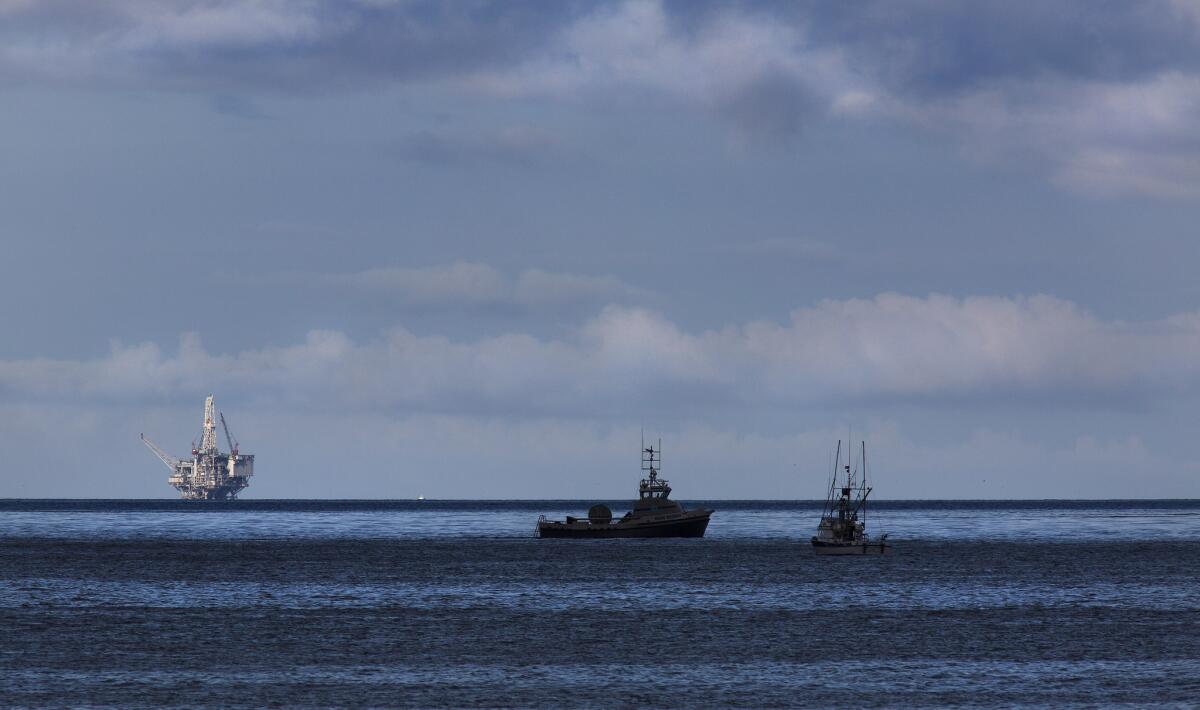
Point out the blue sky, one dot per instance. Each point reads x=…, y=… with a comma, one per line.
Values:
x=471, y=249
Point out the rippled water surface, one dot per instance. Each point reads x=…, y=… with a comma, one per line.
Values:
x=164, y=603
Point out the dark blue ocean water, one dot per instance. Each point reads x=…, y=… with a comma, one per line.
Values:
x=318, y=603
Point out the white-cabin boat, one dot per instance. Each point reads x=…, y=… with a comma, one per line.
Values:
x=843, y=526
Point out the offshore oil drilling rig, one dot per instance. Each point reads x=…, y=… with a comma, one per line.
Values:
x=209, y=474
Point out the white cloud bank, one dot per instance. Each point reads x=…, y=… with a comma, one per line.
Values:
x=890, y=348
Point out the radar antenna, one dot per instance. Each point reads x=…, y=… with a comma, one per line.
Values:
x=652, y=486
x=651, y=457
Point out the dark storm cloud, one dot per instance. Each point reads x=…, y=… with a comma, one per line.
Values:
x=944, y=47
x=935, y=47
x=772, y=106
x=1101, y=97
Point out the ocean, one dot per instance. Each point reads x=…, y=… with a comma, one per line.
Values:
x=457, y=604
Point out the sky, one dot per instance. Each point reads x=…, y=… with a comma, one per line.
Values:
x=475, y=249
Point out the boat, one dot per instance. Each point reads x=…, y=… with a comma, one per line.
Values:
x=843, y=526
x=654, y=513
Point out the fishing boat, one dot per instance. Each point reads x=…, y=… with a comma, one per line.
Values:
x=843, y=526
x=654, y=513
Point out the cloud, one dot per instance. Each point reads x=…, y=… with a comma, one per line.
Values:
x=1116, y=110
x=297, y=46
x=760, y=74
x=126, y=42
x=942, y=48
x=457, y=284
x=1095, y=137
x=1101, y=98
x=469, y=285
x=536, y=288
x=1039, y=350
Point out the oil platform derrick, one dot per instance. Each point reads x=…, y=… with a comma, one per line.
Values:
x=208, y=474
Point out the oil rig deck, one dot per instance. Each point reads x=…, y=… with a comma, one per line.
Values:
x=208, y=474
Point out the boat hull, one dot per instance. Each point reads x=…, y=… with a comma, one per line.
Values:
x=851, y=548
x=690, y=524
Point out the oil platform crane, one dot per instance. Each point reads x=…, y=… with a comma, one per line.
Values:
x=209, y=474
x=233, y=444
x=168, y=459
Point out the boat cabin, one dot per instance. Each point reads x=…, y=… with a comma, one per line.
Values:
x=654, y=497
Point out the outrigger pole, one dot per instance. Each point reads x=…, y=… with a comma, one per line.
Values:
x=837, y=460
x=866, y=488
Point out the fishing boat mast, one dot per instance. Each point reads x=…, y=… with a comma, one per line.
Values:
x=846, y=507
x=842, y=530
x=866, y=490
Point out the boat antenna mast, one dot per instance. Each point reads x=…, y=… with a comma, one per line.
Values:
x=849, y=474
x=861, y=489
x=651, y=458
x=652, y=486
